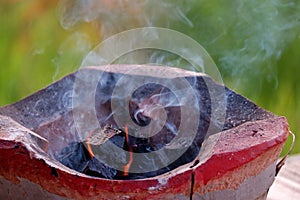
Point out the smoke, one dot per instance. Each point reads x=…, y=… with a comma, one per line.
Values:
x=71, y=53
x=245, y=38
x=114, y=16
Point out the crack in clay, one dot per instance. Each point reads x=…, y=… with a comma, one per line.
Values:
x=192, y=184
x=193, y=178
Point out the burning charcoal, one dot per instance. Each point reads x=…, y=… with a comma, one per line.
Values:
x=236, y=155
x=98, y=169
x=118, y=140
x=105, y=152
x=74, y=156
x=141, y=145
x=77, y=157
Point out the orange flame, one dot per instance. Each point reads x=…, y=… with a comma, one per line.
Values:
x=89, y=145
x=127, y=166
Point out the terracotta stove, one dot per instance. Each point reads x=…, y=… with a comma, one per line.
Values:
x=237, y=160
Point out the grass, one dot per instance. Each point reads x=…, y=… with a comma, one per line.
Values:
x=35, y=50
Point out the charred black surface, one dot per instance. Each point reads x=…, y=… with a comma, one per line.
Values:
x=240, y=110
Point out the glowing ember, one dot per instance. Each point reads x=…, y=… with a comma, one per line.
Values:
x=127, y=166
x=89, y=145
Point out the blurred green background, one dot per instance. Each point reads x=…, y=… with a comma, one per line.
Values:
x=255, y=44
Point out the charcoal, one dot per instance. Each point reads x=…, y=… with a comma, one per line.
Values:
x=98, y=169
x=77, y=157
x=105, y=153
x=50, y=113
x=118, y=140
x=74, y=156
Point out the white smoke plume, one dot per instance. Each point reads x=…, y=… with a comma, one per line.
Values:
x=245, y=38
